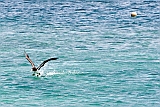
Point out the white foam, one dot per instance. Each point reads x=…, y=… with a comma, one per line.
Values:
x=61, y=73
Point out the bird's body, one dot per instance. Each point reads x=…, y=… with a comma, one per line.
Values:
x=34, y=68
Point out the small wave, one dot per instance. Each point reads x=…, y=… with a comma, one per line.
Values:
x=53, y=73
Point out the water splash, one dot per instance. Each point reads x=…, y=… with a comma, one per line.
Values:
x=52, y=73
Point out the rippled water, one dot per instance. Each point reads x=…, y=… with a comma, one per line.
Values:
x=106, y=57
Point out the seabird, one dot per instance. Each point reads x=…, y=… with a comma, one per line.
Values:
x=34, y=68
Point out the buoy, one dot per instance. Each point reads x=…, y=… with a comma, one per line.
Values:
x=133, y=14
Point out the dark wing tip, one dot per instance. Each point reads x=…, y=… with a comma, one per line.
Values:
x=26, y=54
x=54, y=58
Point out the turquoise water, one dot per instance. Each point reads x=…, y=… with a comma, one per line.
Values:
x=106, y=57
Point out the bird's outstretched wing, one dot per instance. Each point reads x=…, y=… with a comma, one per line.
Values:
x=42, y=64
x=27, y=57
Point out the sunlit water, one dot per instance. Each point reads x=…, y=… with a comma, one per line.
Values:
x=106, y=57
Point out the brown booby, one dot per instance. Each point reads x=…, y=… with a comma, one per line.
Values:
x=34, y=68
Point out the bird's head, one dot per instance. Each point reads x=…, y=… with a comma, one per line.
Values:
x=34, y=69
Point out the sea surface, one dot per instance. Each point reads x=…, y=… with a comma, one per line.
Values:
x=106, y=58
